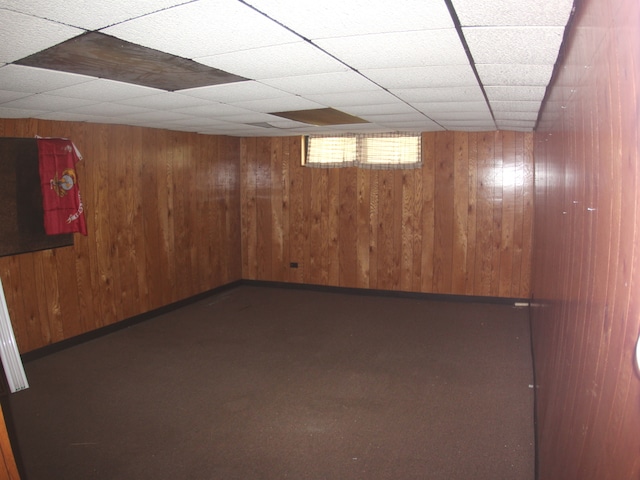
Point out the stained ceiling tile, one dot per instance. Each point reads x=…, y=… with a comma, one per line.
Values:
x=104, y=56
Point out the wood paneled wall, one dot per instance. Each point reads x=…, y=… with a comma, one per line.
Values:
x=163, y=213
x=587, y=261
x=8, y=466
x=461, y=224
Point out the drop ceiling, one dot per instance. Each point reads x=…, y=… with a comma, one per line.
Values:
x=405, y=65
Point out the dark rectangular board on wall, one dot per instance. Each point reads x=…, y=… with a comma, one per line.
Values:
x=21, y=214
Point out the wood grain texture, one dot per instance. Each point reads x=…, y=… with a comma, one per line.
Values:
x=461, y=224
x=587, y=266
x=8, y=467
x=163, y=212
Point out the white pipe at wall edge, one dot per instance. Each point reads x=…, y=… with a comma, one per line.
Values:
x=11, y=361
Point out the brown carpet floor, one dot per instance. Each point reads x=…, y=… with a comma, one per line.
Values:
x=270, y=383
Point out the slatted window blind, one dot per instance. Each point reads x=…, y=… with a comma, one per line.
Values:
x=382, y=151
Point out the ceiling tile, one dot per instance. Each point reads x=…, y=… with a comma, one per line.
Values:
x=425, y=125
x=163, y=101
x=352, y=99
x=235, y=92
x=337, y=18
x=212, y=110
x=462, y=125
x=19, y=113
x=21, y=35
x=444, y=116
x=379, y=109
x=36, y=80
x=324, y=83
x=515, y=106
x=155, y=116
x=504, y=116
x=291, y=59
x=8, y=96
x=516, y=125
x=394, y=50
x=513, y=12
x=103, y=56
x=514, y=74
x=395, y=117
x=520, y=93
x=416, y=77
x=203, y=28
x=48, y=102
x=103, y=90
x=280, y=104
x=101, y=14
x=250, y=117
x=299, y=56
x=107, y=110
x=440, y=94
x=519, y=45
x=76, y=117
x=434, y=107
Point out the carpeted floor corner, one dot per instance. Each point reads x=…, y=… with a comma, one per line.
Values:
x=272, y=383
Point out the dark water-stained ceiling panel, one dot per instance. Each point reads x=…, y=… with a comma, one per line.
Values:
x=103, y=56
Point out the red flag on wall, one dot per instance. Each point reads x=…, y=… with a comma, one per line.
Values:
x=61, y=202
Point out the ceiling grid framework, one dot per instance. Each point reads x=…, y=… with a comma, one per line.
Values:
x=398, y=66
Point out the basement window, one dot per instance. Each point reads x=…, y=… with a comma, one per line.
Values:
x=378, y=151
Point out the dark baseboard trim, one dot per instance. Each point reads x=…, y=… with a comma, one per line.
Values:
x=389, y=293
x=129, y=322
x=70, y=342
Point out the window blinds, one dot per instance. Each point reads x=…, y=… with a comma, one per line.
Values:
x=383, y=151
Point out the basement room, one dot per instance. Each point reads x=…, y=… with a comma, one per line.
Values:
x=260, y=239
